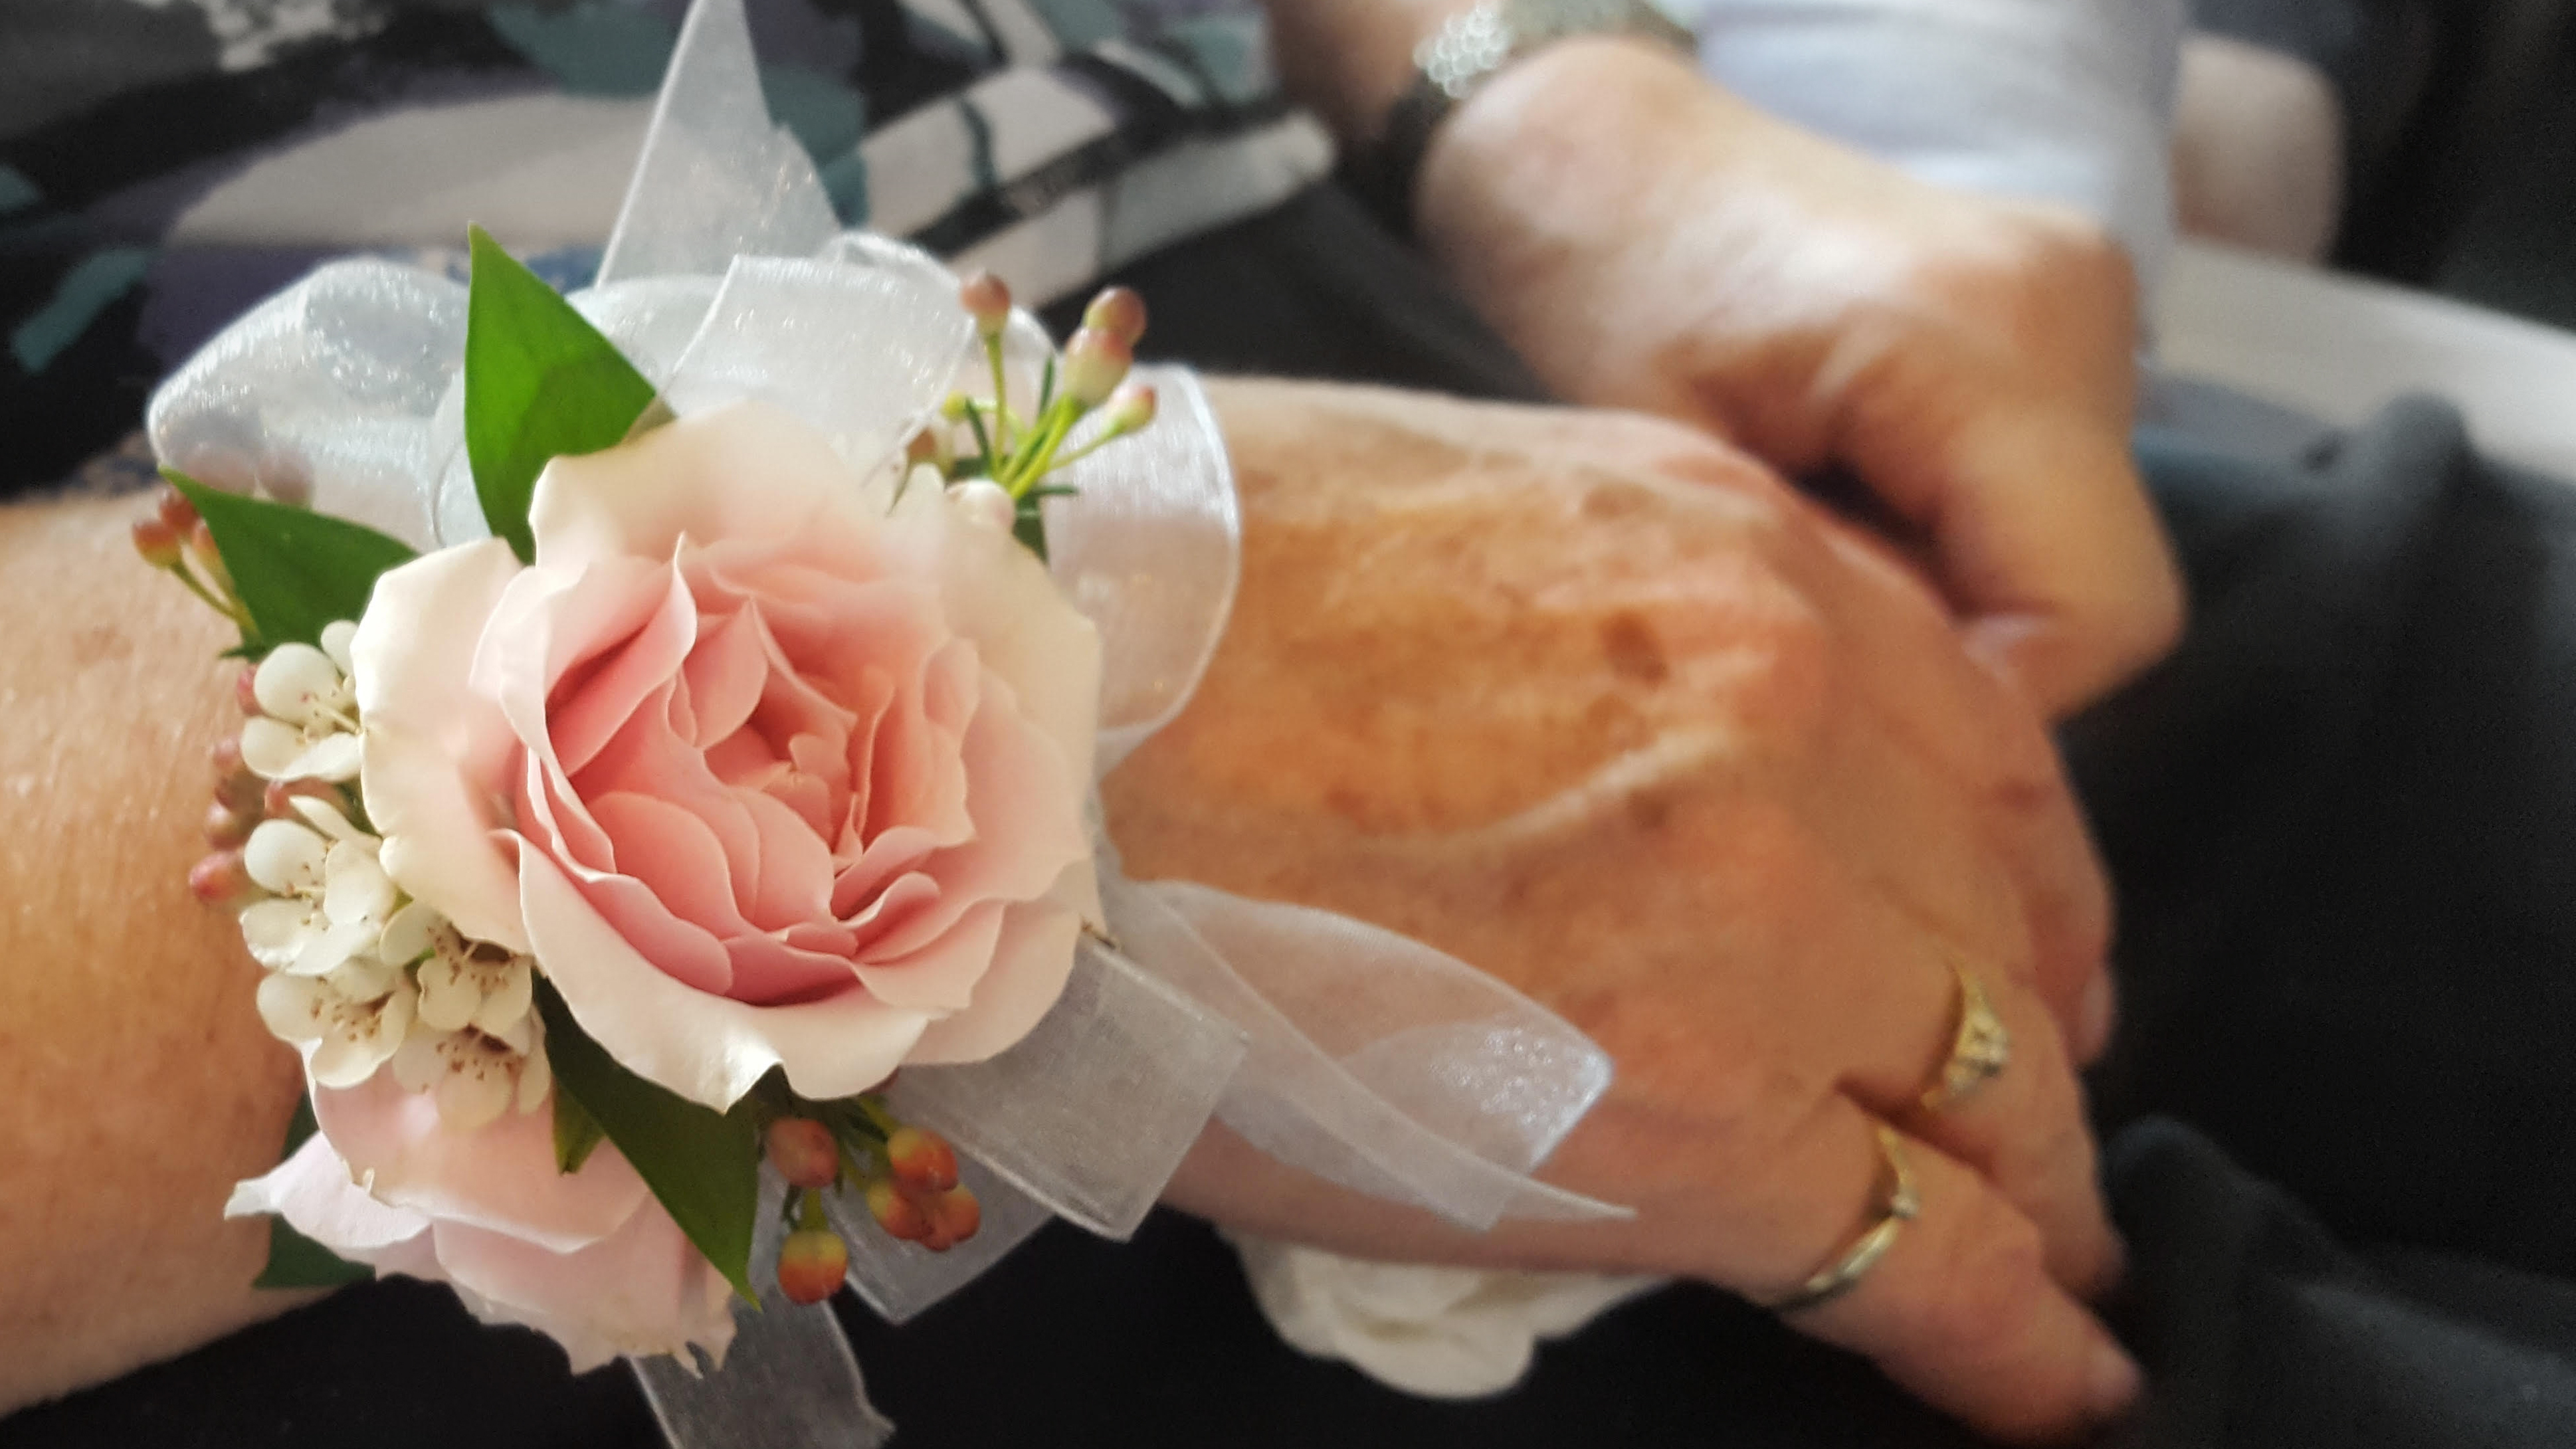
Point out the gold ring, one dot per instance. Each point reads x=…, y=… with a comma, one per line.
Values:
x=1904, y=1203
x=1978, y=1052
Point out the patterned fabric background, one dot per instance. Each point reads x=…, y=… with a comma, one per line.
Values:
x=165, y=163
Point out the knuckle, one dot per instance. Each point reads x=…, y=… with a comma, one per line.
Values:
x=1990, y=1268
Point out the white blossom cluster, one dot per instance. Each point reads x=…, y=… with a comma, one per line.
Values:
x=359, y=975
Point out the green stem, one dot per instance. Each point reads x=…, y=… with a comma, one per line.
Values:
x=983, y=440
x=1094, y=446
x=1034, y=463
x=884, y=1120
x=228, y=609
x=1001, y=388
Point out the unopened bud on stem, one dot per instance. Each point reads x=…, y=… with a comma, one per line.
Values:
x=811, y=1264
x=227, y=828
x=174, y=510
x=222, y=881
x=987, y=299
x=1119, y=312
x=277, y=801
x=897, y=1212
x=1095, y=362
x=1131, y=407
x=201, y=542
x=804, y=1153
x=922, y=1161
x=157, y=541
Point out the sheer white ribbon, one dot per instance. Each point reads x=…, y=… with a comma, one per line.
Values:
x=1346, y=1050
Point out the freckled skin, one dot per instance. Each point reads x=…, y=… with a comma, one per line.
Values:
x=136, y=1082
x=1596, y=705
x=1586, y=699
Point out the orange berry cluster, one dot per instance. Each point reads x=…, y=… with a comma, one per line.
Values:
x=909, y=1181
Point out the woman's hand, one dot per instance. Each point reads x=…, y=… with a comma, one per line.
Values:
x=1647, y=241
x=1598, y=705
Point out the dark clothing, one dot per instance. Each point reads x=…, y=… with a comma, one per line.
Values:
x=2342, y=819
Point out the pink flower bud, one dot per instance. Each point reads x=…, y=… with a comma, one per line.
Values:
x=957, y=1213
x=201, y=542
x=988, y=300
x=246, y=693
x=811, y=1264
x=1094, y=363
x=1119, y=312
x=157, y=541
x=175, y=511
x=804, y=1153
x=927, y=445
x=1131, y=407
x=921, y=1161
x=897, y=1212
x=277, y=802
x=227, y=828
x=220, y=880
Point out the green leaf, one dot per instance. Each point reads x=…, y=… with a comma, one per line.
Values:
x=540, y=382
x=295, y=569
x=702, y=1164
x=576, y=1133
x=1029, y=527
x=294, y=1260
x=300, y=1127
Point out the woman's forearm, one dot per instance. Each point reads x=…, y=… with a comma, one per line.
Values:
x=136, y=1083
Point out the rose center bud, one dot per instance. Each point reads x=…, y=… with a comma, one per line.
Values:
x=770, y=735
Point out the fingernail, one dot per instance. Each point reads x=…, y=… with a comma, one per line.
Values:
x=2111, y=1382
x=2101, y=1004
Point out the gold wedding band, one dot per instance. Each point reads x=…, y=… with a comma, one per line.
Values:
x=1979, y=1050
x=1904, y=1203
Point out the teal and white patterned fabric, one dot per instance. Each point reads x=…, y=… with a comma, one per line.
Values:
x=164, y=163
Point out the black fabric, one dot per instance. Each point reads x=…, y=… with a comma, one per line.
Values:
x=2340, y=818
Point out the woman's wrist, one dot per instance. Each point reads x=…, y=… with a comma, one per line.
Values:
x=140, y=1084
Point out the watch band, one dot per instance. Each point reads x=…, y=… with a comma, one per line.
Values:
x=1466, y=51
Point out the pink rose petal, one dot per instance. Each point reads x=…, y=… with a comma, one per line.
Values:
x=675, y=856
x=643, y=1290
x=725, y=673
x=436, y=754
x=940, y=976
x=1030, y=964
x=706, y=1048
x=585, y=712
x=501, y=1175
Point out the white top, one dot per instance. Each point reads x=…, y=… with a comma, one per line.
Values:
x=2062, y=100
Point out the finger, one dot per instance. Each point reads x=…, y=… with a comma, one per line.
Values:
x=1963, y=775
x=2045, y=538
x=1877, y=1009
x=2065, y=899
x=1961, y=1310
x=2023, y=1128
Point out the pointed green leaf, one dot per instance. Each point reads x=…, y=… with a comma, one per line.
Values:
x=540, y=382
x=295, y=569
x=703, y=1165
x=294, y=1260
x=576, y=1133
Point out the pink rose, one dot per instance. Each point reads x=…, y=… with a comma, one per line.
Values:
x=588, y=1258
x=766, y=762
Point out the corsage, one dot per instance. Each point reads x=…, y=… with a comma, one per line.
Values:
x=663, y=804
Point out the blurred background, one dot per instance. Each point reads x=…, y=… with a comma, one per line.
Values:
x=2430, y=143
